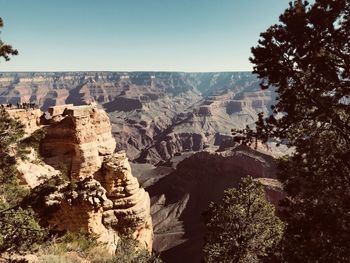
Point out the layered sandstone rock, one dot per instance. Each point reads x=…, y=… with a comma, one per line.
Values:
x=102, y=197
x=110, y=208
x=78, y=140
x=74, y=207
x=273, y=190
x=30, y=118
x=131, y=204
x=59, y=110
x=32, y=171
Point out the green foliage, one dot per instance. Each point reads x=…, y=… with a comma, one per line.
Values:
x=19, y=230
x=82, y=240
x=77, y=247
x=71, y=248
x=33, y=141
x=64, y=171
x=77, y=242
x=6, y=50
x=11, y=132
x=12, y=193
x=242, y=227
x=306, y=59
x=129, y=251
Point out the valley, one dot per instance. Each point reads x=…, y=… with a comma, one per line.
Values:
x=154, y=115
x=175, y=128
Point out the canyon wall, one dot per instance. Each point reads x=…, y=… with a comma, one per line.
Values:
x=154, y=115
x=180, y=198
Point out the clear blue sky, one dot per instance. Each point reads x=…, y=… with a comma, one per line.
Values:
x=135, y=35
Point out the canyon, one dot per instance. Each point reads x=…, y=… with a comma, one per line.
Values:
x=171, y=129
x=154, y=115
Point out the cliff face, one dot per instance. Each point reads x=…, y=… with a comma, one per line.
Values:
x=130, y=203
x=102, y=196
x=78, y=139
x=180, y=198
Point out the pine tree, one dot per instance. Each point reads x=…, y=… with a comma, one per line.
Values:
x=242, y=227
x=306, y=59
x=19, y=229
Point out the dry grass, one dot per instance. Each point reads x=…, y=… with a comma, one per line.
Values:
x=73, y=248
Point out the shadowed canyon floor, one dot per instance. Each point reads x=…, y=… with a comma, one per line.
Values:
x=180, y=198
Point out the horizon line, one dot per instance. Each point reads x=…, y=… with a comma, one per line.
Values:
x=126, y=71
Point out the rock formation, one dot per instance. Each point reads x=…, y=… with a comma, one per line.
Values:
x=30, y=118
x=32, y=171
x=130, y=203
x=101, y=197
x=78, y=138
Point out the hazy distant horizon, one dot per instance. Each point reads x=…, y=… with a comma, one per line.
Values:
x=125, y=71
x=138, y=35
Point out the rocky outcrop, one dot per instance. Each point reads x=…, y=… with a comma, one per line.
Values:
x=78, y=140
x=114, y=206
x=74, y=207
x=156, y=117
x=59, y=110
x=130, y=203
x=102, y=197
x=32, y=171
x=273, y=190
x=31, y=118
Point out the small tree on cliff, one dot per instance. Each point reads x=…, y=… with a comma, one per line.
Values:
x=19, y=229
x=6, y=50
x=306, y=57
x=11, y=131
x=242, y=227
x=129, y=251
